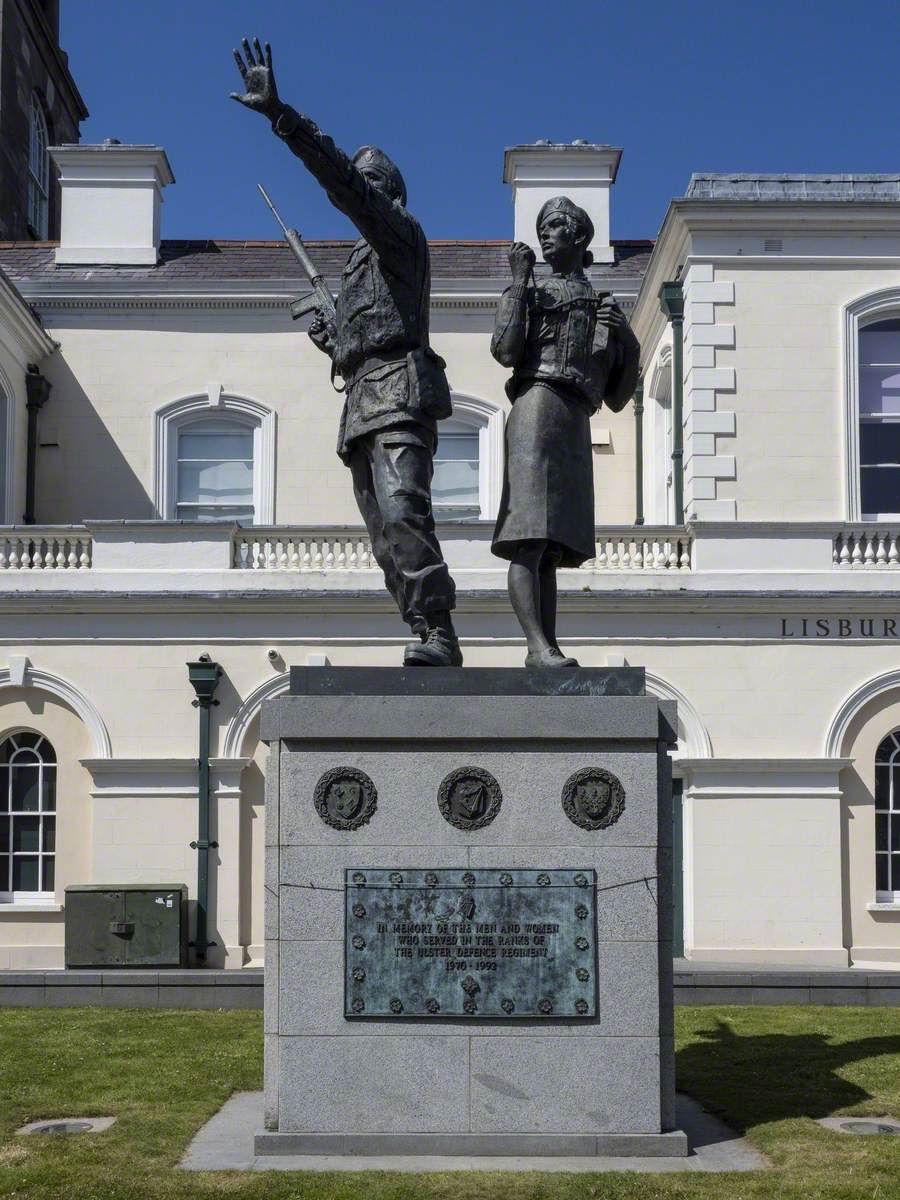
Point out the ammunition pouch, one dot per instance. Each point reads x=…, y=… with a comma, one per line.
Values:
x=429, y=391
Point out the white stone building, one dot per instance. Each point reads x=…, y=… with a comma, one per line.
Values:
x=182, y=401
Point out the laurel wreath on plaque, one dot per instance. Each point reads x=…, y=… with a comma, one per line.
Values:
x=345, y=798
x=469, y=798
x=593, y=798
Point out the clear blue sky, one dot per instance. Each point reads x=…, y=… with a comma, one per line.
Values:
x=686, y=85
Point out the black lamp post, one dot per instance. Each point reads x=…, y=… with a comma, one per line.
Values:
x=204, y=678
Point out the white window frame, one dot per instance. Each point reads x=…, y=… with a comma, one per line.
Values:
x=867, y=310
x=659, y=471
x=7, y=449
x=490, y=422
x=38, y=168
x=13, y=897
x=891, y=896
x=215, y=403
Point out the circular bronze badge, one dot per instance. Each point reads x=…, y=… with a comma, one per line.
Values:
x=593, y=798
x=345, y=798
x=469, y=798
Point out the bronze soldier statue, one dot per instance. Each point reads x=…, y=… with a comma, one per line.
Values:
x=396, y=389
x=571, y=350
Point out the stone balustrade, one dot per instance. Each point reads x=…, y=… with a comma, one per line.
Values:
x=641, y=549
x=749, y=551
x=863, y=546
x=31, y=548
x=263, y=549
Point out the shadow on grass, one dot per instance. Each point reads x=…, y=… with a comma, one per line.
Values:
x=759, y=1078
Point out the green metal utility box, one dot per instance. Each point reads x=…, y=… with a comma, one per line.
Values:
x=126, y=925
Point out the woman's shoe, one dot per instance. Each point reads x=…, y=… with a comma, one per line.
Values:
x=551, y=657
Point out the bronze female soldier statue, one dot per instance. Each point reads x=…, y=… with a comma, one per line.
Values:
x=571, y=350
x=396, y=389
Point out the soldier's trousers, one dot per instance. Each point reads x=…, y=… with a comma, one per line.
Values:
x=392, y=471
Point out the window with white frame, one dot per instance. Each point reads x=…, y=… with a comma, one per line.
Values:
x=887, y=818
x=27, y=817
x=214, y=470
x=660, y=494
x=468, y=463
x=879, y=419
x=215, y=459
x=38, y=171
x=5, y=452
x=455, y=486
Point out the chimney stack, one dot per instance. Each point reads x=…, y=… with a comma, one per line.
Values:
x=583, y=171
x=111, y=196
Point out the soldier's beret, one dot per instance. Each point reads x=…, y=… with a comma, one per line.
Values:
x=565, y=205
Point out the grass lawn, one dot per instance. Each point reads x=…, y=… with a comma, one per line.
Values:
x=768, y=1071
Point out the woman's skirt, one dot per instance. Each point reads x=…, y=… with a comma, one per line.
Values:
x=548, y=477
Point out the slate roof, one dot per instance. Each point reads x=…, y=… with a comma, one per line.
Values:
x=726, y=186
x=234, y=260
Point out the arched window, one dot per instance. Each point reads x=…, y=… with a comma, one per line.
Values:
x=879, y=419
x=887, y=818
x=27, y=817
x=38, y=171
x=214, y=470
x=215, y=459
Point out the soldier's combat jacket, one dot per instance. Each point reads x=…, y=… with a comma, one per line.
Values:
x=549, y=333
x=381, y=348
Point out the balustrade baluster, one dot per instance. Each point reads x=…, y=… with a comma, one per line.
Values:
x=893, y=555
x=881, y=550
x=856, y=552
x=869, y=556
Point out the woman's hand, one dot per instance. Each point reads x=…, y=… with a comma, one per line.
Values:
x=521, y=262
x=610, y=315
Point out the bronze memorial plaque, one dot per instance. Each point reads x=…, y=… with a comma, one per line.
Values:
x=436, y=943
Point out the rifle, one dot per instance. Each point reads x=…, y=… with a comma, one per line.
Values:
x=320, y=297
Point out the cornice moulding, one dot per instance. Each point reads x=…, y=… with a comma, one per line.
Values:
x=619, y=602
x=24, y=327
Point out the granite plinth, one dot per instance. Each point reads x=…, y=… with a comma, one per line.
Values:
x=468, y=1083
x=473, y=681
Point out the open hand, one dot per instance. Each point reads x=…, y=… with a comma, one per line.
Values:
x=521, y=261
x=259, y=80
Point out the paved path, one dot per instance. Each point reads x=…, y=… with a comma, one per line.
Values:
x=226, y=1144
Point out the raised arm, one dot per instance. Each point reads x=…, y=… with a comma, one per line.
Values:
x=511, y=326
x=385, y=225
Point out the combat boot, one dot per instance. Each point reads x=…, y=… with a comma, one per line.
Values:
x=439, y=649
x=419, y=626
